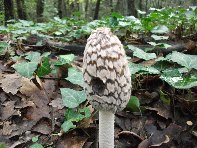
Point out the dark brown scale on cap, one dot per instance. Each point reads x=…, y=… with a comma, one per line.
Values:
x=106, y=73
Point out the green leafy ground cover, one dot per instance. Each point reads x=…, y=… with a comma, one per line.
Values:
x=164, y=86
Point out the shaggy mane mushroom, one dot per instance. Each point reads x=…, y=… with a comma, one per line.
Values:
x=107, y=80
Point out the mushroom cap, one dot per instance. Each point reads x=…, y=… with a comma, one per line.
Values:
x=107, y=78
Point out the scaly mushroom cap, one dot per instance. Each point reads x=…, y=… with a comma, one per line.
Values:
x=107, y=79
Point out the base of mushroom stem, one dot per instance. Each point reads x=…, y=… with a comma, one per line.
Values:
x=106, y=129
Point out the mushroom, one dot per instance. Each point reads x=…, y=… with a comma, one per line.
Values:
x=107, y=80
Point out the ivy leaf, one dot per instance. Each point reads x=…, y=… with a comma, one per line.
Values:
x=75, y=76
x=85, y=111
x=1, y=145
x=65, y=59
x=188, y=61
x=141, y=54
x=72, y=115
x=3, y=46
x=26, y=69
x=72, y=98
x=44, y=69
x=67, y=125
x=35, y=139
x=113, y=21
x=156, y=37
x=33, y=56
x=138, y=68
x=165, y=98
x=162, y=45
x=78, y=115
x=134, y=104
x=160, y=29
x=181, y=82
x=36, y=145
x=116, y=14
x=171, y=73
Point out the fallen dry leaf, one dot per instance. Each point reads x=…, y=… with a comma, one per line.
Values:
x=8, y=110
x=11, y=83
x=43, y=126
x=57, y=103
x=70, y=141
x=163, y=111
x=7, y=128
x=28, y=88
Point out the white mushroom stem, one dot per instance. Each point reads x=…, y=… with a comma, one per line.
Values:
x=106, y=129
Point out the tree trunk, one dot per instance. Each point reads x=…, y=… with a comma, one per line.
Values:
x=21, y=9
x=9, y=10
x=61, y=8
x=111, y=6
x=194, y=2
x=76, y=5
x=86, y=8
x=140, y=7
x=117, y=8
x=131, y=8
x=96, y=13
x=40, y=10
x=146, y=6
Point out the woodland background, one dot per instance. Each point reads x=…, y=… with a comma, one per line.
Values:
x=44, y=10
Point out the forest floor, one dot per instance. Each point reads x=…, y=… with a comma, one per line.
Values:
x=32, y=112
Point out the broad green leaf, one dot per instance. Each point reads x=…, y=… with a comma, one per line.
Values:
x=165, y=98
x=85, y=111
x=3, y=29
x=35, y=139
x=26, y=23
x=160, y=29
x=134, y=104
x=19, y=32
x=36, y=145
x=44, y=69
x=75, y=76
x=171, y=73
x=156, y=37
x=152, y=43
x=58, y=33
x=26, y=69
x=141, y=54
x=189, y=61
x=148, y=49
x=141, y=12
x=113, y=21
x=181, y=82
x=72, y=98
x=1, y=145
x=73, y=115
x=163, y=45
x=138, y=68
x=3, y=46
x=45, y=54
x=116, y=14
x=67, y=125
x=33, y=56
x=65, y=59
